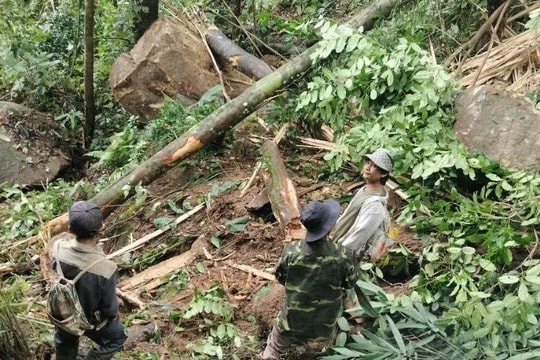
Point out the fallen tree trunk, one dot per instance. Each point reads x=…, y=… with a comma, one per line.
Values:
x=235, y=56
x=213, y=126
x=281, y=193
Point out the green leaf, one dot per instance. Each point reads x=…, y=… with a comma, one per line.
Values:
x=341, y=338
x=506, y=186
x=342, y=41
x=533, y=279
x=397, y=335
x=523, y=293
x=454, y=250
x=162, y=222
x=373, y=94
x=200, y=267
x=343, y=324
x=487, y=265
x=352, y=42
x=238, y=224
x=535, y=270
x=467, y=250
x=364, y=302
x=531, y=221
x=341, y=92
x=216, y=241
x=508, y=279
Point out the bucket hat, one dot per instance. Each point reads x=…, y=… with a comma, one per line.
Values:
x=382, y=159
x=319, y=218
x=85, y=218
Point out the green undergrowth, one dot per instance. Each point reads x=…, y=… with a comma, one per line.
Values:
x=477, y=289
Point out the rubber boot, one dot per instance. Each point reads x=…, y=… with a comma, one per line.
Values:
x=92, y=355
x=67, y=354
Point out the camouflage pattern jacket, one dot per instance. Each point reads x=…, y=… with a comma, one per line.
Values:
x=315, y=276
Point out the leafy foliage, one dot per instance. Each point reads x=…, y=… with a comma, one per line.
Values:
x=24, y=212
x=42, y=62
x=217, y=315
x=131, y=146
x=375, y=93
x=14, y=342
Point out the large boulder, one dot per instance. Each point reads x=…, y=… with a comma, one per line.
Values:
x=502, y=125
x=32, y=147
x=169, y=59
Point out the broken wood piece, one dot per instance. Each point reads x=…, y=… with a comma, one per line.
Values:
x=279, y=135
x=259, y=201
x=153, y=277
x=235, y=56
x=131, y=298
x=207, y=254
x=137, y=244
x=254, y=271
x=281, y=191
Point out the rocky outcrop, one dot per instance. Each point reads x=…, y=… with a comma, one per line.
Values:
x=32, y=147
x=502, y=125
x=172, y=60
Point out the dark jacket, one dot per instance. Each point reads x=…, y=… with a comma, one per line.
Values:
x=97, y=287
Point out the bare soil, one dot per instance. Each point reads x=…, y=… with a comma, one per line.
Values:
x=256, y=300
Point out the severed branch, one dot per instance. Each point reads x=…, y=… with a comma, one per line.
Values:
x=137, y=244
x=131, y=298
x=279, y=135
x=282, y=193
x=153, y=277
x=470, y=44
x=235, y=56
x=251, y=270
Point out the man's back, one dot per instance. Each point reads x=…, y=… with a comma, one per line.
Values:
x=97, y=286
x=314, y=276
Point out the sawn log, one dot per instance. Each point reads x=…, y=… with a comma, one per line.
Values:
x=282, y=193
x=235, y=56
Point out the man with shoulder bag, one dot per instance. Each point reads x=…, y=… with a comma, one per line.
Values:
x=83, y=267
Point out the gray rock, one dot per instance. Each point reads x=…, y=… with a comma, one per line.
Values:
x=170, y=59
x=32, y=148
x=502, y=125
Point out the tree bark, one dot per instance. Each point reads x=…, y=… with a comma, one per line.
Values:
x=214, y=125
x=89, y=103
x=235, y=56
x=281, y=193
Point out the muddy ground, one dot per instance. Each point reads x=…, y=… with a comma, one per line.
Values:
x=159, y=329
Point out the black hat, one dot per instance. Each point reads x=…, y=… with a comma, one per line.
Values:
x=85, y=219
x=319, y=218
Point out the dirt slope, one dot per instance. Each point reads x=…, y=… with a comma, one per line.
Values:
x=218, y=182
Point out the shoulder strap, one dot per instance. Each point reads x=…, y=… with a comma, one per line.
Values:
x=58, y=266
x=81, y=273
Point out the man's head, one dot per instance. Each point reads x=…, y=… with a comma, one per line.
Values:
x=378, y=166
x=319, y=218
x=85, y=219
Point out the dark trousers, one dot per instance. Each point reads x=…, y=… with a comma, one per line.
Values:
x=108, y=340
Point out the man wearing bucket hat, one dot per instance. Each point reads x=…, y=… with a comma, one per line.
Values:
x=96, y=288
x=362, y=228
x=315, y=273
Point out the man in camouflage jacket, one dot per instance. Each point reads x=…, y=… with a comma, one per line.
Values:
x=315, y=273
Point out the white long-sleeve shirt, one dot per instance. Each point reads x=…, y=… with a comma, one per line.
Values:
x=368, y=226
